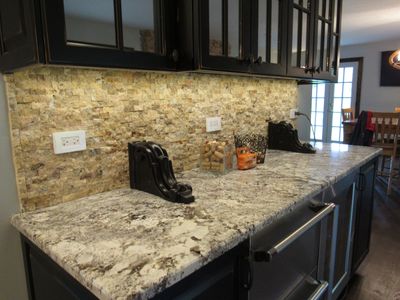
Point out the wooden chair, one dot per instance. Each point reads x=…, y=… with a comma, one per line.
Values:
x=347, y=114
x=386, y=135
x=397, y=109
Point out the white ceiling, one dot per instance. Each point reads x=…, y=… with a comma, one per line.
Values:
x=366, y=21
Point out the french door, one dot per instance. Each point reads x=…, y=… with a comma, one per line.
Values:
x=328, y=100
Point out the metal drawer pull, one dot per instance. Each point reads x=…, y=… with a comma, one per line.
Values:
x=267, y=256
x=319, y=291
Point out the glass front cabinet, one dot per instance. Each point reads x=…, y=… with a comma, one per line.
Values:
x=119, y=33
x=278, y=38
x=313, y=38
x=243, y=36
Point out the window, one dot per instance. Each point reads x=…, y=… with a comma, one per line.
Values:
x=327, y=102
x=342, y=96
x=317, y=111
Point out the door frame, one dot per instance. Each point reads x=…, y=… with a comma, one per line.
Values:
x=360, y=61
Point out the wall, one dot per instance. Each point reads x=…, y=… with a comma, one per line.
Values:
x=115, y=107
x=373, y=96
x=304, y=106
x=12, y=277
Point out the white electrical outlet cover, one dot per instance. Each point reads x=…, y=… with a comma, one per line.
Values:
x=213, y=124
x=293, y=112
x=69, y=141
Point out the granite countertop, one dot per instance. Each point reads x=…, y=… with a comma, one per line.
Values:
x=126, y=244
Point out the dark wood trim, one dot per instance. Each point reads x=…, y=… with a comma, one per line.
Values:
x=28, y=272
x=360, y=61
x=269, y=29
x=119, y=34
x=225, y=22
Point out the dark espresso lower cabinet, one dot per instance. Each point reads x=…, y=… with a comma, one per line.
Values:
x=225, y=278
x=48, y=281
x=291, y=258
x=365, y=204
x=310, y=252
x=345, y=199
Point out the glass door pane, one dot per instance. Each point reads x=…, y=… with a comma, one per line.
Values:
x=224, y=28
x=344, y=95
x=139, y=27
x=318, y=112
x=269, y=31
x=324, y=36
x=335, y=37
x=90, y=22
x=300, y=35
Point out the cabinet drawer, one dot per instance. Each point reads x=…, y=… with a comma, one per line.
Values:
x=289, y=257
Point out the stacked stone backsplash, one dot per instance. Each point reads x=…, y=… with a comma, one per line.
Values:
x=115, y=107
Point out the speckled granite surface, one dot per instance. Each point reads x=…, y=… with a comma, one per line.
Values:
x=126, y=244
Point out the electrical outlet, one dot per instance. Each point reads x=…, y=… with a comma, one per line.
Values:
x=69, y=141
x=213, y=124
x=292, y=114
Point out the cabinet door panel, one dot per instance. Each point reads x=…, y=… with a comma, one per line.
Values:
x=365, y=206
x=300, y=38
x=269, y=37
x=112, y=33
x=345, y=200
x=18, y=40
x=323, y=39
x=147, y=35
x=86, y=25
x=225, y=35
x=335, y=59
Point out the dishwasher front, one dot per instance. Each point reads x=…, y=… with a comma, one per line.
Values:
x=291, y=258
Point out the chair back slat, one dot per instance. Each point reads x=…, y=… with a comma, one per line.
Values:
x=347, y=114
x=387, y=129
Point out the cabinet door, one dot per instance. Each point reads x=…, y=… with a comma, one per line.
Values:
x=47, y=280
x=365, y=204
x=225, y=35
x=323, y=38
x=327, y=39
x=269, y=36
x=337, y=21
x=224, y=278
x=18, y=40
x=300, y=38
x=112, y=33
x=345, y=199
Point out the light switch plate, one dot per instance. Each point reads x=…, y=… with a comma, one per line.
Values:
x=213, y=124
x=69, y=141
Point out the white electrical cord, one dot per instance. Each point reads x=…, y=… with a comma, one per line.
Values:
x=309, y=120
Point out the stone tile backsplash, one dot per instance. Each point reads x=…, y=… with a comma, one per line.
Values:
x=115, y=107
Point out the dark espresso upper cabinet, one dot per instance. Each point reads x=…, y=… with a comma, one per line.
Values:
x=313, y=38
x=17, y=34
x=224, y=35
x=137, y=34
x=269, y=37
x=233, y=36
x=281, y=38
x=300, y=38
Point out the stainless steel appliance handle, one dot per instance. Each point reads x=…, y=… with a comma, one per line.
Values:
x=319, y=291
x=278, y=248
